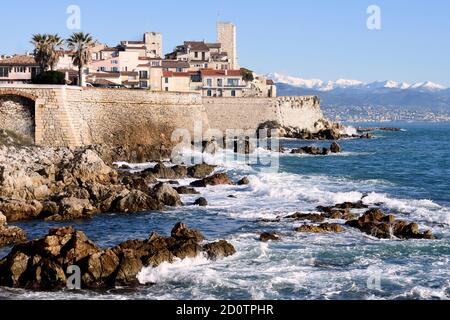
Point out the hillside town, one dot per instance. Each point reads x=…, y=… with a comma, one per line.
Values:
x=208, y=68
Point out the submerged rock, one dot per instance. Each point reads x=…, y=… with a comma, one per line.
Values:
x=42, y=264
x=186, y=190
x=335, y=148
x=244, y=181
x=202, y=202
x=269, y=236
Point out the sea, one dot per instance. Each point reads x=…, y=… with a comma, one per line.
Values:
x=407, y=173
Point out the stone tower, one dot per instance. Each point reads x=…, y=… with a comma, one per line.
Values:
x=154, y=43
x=226, y=35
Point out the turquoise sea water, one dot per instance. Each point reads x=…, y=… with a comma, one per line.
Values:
x=407, y=172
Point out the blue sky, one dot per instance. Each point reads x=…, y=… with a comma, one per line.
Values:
x=325, y=39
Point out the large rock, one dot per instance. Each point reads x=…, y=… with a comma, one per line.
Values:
x=87, y=166
x=310, y=217
x=219, y=249
x=19, y=210
x=72, y=209
x=214, y=180
x=41, y=264
x=167, y=195
x=186, y=190
x=3, y=219
x=335, y=148
x=11, y=235
x=377, y=224
x=323, y=228
x=135, y=201
x=200, y=171
x=168, y=173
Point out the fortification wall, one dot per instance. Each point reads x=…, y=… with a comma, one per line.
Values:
x=71, y=116
x=134, y=117
x=249, y=113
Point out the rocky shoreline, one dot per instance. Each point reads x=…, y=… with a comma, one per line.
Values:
x=62, y=184
x=44, y=264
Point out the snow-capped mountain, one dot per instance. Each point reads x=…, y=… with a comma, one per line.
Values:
x=399, y=95
x=325, y=86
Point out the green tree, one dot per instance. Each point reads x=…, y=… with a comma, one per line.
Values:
x=46, y=50
x=55, y=44
x=80, y=43
x=247, y=75
x=41, y=45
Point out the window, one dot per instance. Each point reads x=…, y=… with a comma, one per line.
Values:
x=155, y=63
x=114, y=62
x=209, y=82
x=143, y=74
x=179, y=69
x=233, y=82
x=219, y=82
x=4, y=72
x=209, y=93
x=114, y=69
x=166, y=80
x=203, y=56
x=196, y=55
x=143, y=84
x=167, y=89
x=102, y=69
x=19, y=69
x=233, y=93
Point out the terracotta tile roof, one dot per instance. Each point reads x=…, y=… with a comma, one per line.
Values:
x=134, y=42
x=129, y=73
x=175, y=64
x=19, y=61
x=104, y=75
x=112, y=49
x=220, y=73
x=214, y=45
x=196, y=45
x=103, y=82
x=169, y=74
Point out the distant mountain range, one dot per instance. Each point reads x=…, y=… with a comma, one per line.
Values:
x=421, y=96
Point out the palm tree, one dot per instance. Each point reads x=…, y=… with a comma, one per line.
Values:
x=55, y=44
x=80, y=43
x=46, y=47
x=41, y=44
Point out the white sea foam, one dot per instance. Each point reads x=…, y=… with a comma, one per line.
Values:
x=168, y=271
x=349, y=130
